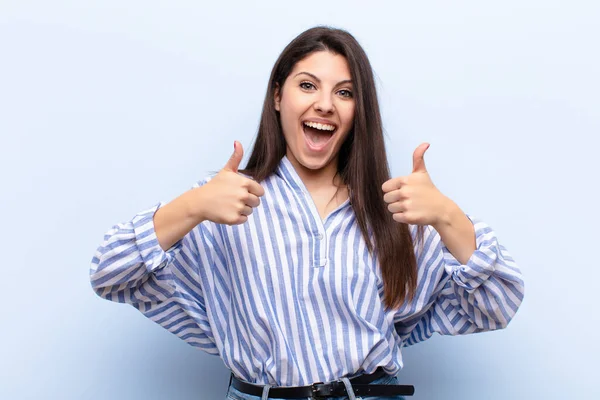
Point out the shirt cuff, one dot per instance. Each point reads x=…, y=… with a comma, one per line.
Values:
x=152, y=254
x=481, y=264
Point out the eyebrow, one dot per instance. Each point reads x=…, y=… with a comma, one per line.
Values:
x=319, y=81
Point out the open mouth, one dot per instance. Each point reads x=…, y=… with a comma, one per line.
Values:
x=318, y=135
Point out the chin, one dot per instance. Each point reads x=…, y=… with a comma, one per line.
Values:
x=308, y=161
x=314, y=164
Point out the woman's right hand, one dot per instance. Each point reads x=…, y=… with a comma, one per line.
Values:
x=228, y=198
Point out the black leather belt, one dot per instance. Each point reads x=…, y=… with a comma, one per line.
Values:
x=319, y=390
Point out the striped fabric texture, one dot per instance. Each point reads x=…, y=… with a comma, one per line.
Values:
x=289, y=299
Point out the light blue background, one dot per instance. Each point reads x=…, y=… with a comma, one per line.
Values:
x=107, y=107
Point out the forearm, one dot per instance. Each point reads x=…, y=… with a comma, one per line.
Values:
x=177, y=218
x=457, y=232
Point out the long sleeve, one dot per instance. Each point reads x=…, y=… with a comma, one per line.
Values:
x=130, y=267
x=482, y=295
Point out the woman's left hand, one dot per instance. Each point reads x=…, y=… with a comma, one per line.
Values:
x=414, y=199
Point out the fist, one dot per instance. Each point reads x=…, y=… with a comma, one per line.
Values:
x=229, y=198
x=414, y=199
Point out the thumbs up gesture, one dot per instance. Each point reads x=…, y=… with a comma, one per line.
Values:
x=228, y=198
x=414, y=199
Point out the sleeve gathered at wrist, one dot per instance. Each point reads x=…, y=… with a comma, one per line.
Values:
x=152, y=254
x=480, y=265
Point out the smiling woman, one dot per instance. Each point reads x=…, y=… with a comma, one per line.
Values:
x=310, y=269
x=316, y=111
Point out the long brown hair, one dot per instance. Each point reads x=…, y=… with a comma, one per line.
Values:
x=362, y=161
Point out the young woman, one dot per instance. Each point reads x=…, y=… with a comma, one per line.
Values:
x=310, y=269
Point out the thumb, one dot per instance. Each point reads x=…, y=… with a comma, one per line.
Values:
x=234, y=162
x=418, y=161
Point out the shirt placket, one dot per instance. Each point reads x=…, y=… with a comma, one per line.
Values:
x=320, y=245
x=319, y=235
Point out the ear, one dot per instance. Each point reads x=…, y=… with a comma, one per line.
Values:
x=277, y=96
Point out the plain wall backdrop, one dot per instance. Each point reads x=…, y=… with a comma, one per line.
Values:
x=107, y=107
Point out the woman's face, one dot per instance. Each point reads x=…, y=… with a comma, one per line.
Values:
x=316, y=107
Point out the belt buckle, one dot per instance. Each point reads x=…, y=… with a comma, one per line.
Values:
x=315, y=390
x=322, y=390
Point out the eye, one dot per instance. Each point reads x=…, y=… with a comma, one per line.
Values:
x=345, y=93
x=307, y=85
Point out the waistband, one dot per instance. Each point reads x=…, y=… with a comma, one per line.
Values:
x=319, y=390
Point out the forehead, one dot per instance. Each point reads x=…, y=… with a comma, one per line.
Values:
x=325, y=65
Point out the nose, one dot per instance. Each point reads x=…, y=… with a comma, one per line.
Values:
x=324, y=104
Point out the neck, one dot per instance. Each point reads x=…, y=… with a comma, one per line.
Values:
x=319, y=178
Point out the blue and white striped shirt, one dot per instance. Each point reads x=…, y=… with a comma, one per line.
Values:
x=289, y=299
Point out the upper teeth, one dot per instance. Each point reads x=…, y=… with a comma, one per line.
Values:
x=322, y=127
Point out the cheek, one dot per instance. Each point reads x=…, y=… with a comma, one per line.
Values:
x=287, y=119
x=291, y=113
x=347, y=115
x=295, y=102
x=289, y=122
x=294, y=108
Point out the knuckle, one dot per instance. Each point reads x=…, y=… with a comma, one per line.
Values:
x=242, y=194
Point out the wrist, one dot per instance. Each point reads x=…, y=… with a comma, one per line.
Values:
x=194, y=201
x=448, y=212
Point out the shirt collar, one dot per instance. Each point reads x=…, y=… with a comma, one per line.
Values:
x=288, y=173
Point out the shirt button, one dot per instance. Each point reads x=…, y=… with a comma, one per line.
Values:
x=320, y=236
